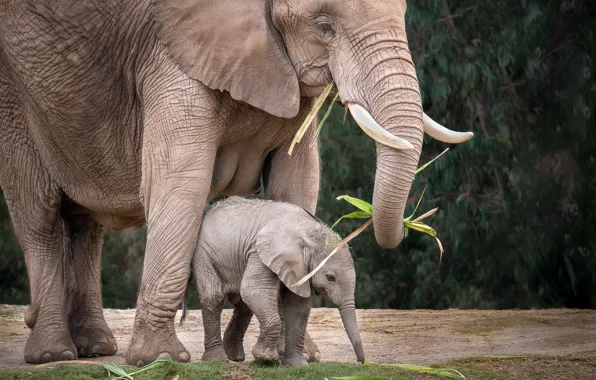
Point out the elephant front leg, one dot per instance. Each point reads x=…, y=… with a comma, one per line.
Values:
x=296, y=310
x=260, y=290
x=179, y=147
x=311, y=352
x=82, y=259
x=174, y=221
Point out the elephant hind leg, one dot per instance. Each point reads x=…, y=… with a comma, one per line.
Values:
x=35, y=216
x=34, y=201
x=88, y=328
x=234, y=334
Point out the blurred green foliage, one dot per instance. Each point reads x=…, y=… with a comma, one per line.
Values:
x=517, y=203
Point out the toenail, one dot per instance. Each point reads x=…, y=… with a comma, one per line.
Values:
x=164, y=355
x=97, y=349
x=140, y=363
x=184, y=357
x=45, y=358
x=66, y=355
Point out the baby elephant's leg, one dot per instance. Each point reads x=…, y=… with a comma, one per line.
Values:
x=296, y=310
x=259, y=290
x=311, y=351
x=212, y=300
x=234, y=335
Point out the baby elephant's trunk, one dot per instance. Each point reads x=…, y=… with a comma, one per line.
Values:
x=348, y=316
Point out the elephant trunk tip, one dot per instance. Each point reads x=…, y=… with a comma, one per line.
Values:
x=388, y=235
x=359, y=351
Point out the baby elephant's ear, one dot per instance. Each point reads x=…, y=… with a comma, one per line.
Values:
x=283, y=253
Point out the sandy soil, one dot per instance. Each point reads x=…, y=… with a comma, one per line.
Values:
x=389, y=336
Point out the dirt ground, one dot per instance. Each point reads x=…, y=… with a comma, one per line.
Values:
x=389, y=336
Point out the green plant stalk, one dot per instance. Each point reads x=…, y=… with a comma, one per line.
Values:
x=324, y=119
x=310, y=117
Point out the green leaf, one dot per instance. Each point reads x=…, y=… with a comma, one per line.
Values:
x=353, y=215
x=419, y=226
x=117, y=370
x=358, y=203
x=441, y=372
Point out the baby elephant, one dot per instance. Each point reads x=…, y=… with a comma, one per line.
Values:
x=253, y=251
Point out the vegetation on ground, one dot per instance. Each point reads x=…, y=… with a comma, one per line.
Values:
x=534, y=367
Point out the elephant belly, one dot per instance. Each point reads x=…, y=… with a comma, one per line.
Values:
x=237, y=171
x=101, y=174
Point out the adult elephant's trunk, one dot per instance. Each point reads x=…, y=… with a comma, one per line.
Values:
x=380, y=87
x=348, y=317
x=383, y=96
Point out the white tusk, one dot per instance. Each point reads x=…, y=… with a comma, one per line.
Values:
x=438, y=132
x=374, y=130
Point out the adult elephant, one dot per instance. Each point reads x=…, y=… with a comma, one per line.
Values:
x=114, y=113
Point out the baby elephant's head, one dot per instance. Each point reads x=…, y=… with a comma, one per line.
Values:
x=336, y=280
x=295, y=243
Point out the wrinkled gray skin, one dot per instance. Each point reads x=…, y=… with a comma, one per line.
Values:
x=111, y=115
x=253, y=251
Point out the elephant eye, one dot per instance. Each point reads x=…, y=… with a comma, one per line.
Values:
x=325, y=28
x=330, y=277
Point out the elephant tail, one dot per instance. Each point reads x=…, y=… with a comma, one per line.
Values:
x=184, y=306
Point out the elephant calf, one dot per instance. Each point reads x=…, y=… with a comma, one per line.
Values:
x=253, y=251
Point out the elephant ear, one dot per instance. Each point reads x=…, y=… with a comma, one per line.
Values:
x=283, y=253
x=231, y=45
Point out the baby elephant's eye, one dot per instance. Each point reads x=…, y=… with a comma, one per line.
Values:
x=330, y=277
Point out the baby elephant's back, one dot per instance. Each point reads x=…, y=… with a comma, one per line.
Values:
x=230, y=227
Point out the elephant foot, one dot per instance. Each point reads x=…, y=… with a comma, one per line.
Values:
x=148, y=345
x=216, y=354
x=234, y=349
x=94, y=339
x=262, y=352
x=45, y=346
x=311, y=350
x=295, y=361
x=312, y=355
